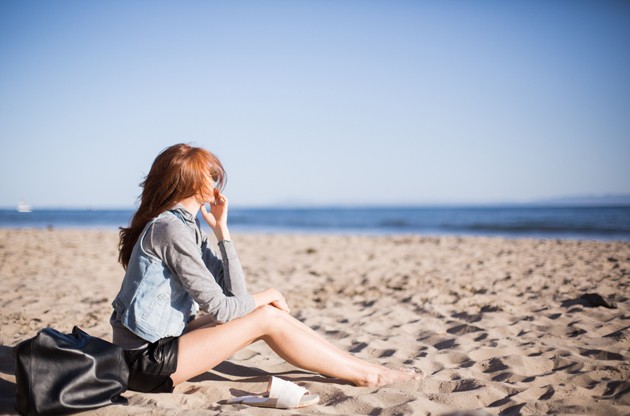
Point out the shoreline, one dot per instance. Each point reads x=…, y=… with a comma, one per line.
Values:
x=496, y=323
x=317, y=232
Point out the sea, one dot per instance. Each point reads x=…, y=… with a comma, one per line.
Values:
x=512, y=221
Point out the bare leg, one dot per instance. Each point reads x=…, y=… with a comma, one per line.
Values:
x=202, y=321
x=204, y=348
x=333, y=357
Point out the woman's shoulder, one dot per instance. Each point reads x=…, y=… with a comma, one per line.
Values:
x=167, y=226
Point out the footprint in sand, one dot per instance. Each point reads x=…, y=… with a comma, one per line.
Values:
x=495, y=365
x=512, y=410
x=358, y=347
x=464, y=316
x=502, y=376
x=620, y=335
x=387, y=353
x=507, y=399
x=447, y=344
x=602, y=355
x=463, y=329
x=500, y=402
x=481, y=337
x=576, y=332
x=548, y=394
x=467, y=384
x=616, y=389
x=561, y=363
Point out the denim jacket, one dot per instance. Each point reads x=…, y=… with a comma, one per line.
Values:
x=155, y=302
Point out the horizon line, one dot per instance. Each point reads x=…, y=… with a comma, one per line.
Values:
x=542, y=204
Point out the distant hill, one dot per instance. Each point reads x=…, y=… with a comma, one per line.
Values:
x=589, y=200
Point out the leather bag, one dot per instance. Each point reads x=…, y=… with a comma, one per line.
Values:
x=58, y=373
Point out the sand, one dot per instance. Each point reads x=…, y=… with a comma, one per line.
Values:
x=497, y=324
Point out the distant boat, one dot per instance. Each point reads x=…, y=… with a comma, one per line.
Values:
x=23, y=207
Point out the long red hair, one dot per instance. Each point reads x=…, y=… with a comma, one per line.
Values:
x=178, y=172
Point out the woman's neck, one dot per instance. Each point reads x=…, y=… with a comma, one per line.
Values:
x=191, y=204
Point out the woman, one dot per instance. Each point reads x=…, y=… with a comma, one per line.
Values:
x=171, y=273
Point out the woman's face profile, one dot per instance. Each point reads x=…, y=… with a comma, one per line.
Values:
x=211, y=178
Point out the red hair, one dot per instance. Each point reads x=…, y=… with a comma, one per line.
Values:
x=178, y=172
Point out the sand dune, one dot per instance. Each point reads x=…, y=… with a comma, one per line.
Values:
x=501, y=327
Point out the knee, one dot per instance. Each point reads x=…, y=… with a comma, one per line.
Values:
x=268, y=312
x=269, y=317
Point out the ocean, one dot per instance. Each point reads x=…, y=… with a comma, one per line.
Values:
x=519, y=221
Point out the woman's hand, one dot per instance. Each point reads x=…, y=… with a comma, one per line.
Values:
x=281, y=304
x=271, y=297
x=216, y=218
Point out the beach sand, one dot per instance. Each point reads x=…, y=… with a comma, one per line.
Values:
x=498, y=325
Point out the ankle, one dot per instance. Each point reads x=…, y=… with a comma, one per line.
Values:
x=369, y=379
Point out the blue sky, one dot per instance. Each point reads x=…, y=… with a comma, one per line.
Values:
x=317, y=102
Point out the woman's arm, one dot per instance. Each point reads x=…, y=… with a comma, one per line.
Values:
x=216, y=218
x=227, y=270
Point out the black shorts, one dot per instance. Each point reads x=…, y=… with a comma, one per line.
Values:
x=150, y=367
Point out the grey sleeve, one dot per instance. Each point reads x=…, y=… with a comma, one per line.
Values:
x=172, y=242
x=227, y=269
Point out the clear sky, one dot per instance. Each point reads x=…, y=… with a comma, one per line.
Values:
x=317, y=102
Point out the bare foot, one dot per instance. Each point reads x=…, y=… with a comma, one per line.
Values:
x=385, y=376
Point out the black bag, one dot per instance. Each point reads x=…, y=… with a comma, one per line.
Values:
x=60, y=373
